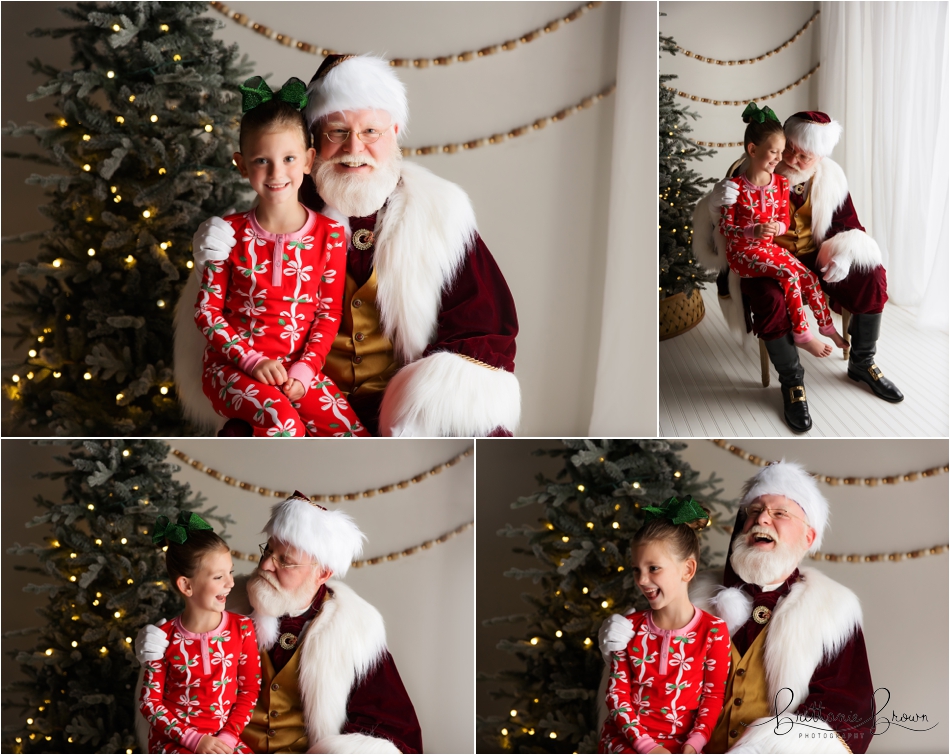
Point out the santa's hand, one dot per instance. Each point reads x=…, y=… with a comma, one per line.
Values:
x=837, y=269
x=725, y=192
x=151, y=643
x=212, y=241
x=615, y=634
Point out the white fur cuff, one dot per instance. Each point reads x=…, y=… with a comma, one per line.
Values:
x=445, y=395
x=816, y=737
x=709, y=246
x=856, y=246
x=189, y=349
x=346, y=743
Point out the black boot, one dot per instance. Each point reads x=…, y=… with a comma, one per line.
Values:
x=864, y=331
x=784, y=356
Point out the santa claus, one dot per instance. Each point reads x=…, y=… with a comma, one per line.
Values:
x=826, y=235
x=426, y=345
x=328, y=684
x=799, y=679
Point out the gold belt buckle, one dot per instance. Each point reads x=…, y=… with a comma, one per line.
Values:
x=875, y=372
x=795, y=399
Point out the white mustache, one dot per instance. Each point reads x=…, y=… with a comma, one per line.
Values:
x=365, y=159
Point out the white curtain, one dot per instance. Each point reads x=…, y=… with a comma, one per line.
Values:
x=884, y=77
x=626, y=386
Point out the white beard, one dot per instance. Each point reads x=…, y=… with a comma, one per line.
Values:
x=357, y=196
x=270, y=599
x=796, y=177
x=766, y=567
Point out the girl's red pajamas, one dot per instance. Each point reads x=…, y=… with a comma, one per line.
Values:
x=666, y=688
x=206, y=684
x=750, y=257
x=278, y=296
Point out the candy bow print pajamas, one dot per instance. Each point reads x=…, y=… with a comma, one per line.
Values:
x=750, y=257
x=277, y=296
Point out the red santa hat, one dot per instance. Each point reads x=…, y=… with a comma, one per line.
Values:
x=356, y=82
x=331, y=538
x=792, y=481
x=813, y=131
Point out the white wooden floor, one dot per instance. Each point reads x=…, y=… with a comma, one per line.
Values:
x=711, y=386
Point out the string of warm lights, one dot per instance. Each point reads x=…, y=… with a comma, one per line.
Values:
x=737, y=103
x=830, y=480
x=394, y=556
x=537, y=125
x=759, y=58
x=443, y=60
x=321, y=497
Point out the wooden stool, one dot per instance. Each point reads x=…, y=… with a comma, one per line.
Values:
x=846, y=351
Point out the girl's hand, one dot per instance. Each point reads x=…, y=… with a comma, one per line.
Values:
x=270, y=372
x=661, y=751
x=688, y=750
x=212, y=744
x=293, y=389
x=764, y=230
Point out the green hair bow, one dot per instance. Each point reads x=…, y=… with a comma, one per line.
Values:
x=758, y=115
x=678, y=512
x=178, y=533
x=255, y=91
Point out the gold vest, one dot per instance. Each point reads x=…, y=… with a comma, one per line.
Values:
x=746, y=698
x=798, y=239
x=362, y=358
x=277, y=724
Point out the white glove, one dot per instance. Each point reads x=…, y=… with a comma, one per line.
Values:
x=614, y=635
x=837, y=269
x=212, y=241
x=725, y=192
x=151, y=643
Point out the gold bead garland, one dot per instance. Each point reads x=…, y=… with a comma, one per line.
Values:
x=828, y=479
x=318, y=497
x=394, y=556
x=760, y=58
x=856, y=558
x=443, y=60
x=718, y=144
x=737, y=103
x=537, y=125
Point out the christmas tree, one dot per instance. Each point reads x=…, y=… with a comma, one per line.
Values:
x=141, y=139
x=105, y=581
x=680, y=189
x=590, y=513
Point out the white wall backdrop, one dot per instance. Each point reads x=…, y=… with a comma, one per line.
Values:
x=736, y=31
x=426, y=599
x=898, y=599
x=541, y=200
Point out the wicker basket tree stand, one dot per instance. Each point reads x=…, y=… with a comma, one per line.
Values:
x=679, y=313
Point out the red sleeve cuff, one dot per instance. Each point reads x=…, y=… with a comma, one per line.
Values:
x=303, y=372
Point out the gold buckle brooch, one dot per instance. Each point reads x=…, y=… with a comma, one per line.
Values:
x=875, y=372
x=795, y=399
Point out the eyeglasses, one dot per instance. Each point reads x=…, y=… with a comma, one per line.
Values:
x=278, y=562
x=369, y=136
x=754, y=510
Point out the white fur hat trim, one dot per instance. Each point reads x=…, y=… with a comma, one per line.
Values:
x=330, y=537
x=813, y=136
x=792, y=481
x=361, y=82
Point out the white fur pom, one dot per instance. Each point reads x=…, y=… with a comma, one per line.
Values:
x=760, y=737
x=859, y=249
x=733, y=606
x=354, y=743
x=267, y=629
x=330, y=537
x=189, y=349
x=445, y=395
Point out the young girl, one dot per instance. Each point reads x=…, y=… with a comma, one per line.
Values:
x=760, y=214
x=200, y=696
x=666, y=688
x=270, y=311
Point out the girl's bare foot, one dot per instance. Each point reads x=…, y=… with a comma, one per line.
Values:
x=838, y=340
x=816, y=348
